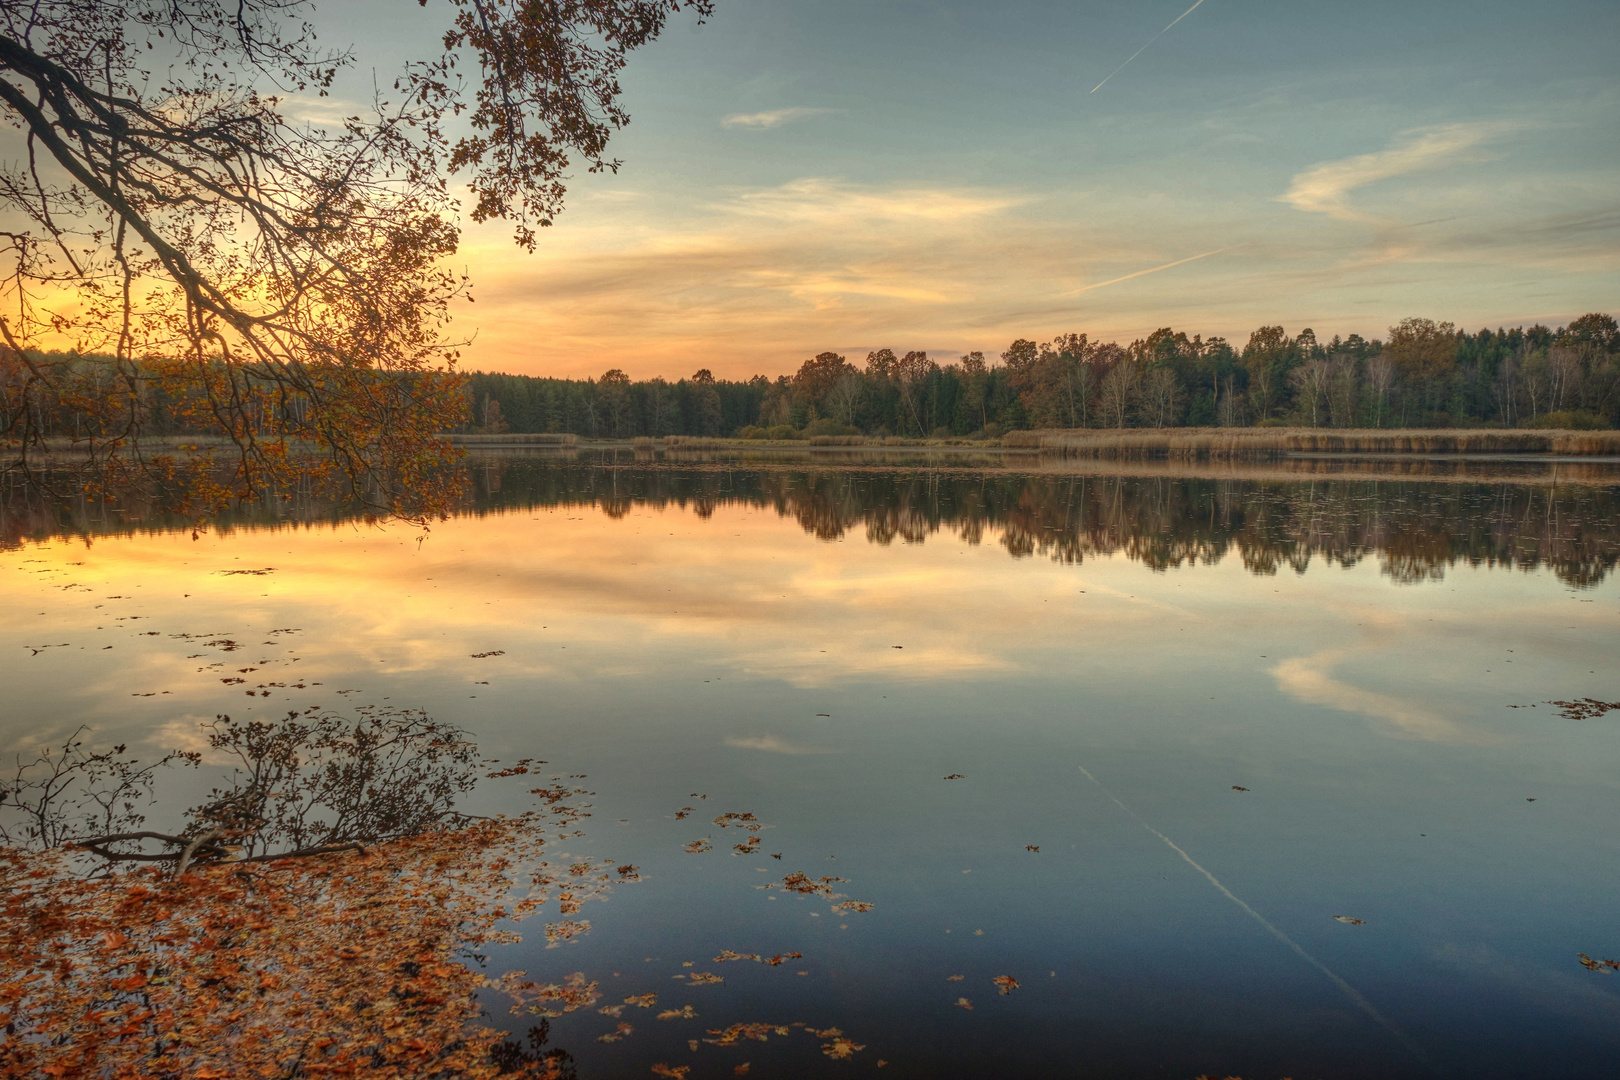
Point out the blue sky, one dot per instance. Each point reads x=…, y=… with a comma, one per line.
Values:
x=813, y=175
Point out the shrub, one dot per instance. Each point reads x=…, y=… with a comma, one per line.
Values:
x=1570, y=420
x=829, y=426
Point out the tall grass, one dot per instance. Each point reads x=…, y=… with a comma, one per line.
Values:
x=698, y=442
x=514, y=439
x=1258, y=444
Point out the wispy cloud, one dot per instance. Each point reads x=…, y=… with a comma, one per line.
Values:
x=770, y=744
x=1310, y=679
x=819, y=201
x=1326, y=188
x=773, y=117
x=321, y=111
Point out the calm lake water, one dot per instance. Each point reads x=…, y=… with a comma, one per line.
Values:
x=1226, y=708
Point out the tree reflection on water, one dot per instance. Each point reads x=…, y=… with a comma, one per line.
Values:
x=1416, y=524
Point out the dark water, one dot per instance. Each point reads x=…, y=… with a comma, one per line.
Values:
x=1102, y=657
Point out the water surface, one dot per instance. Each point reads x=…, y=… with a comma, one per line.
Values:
x=1105, y=659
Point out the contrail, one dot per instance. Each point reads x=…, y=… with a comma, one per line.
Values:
x=1349, y=991
x=1150, y=270
x=1143, y=49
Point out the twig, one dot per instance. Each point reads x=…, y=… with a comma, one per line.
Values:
x=191, y=848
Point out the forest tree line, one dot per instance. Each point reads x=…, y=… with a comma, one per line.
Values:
x=1425, y=374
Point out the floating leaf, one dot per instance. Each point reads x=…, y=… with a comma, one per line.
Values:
x=841, y=1049
x=737, y=1032
x=1584, y=708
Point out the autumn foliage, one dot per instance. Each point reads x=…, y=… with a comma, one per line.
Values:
x=316, y=967
x=185, y=248
x=327, y=911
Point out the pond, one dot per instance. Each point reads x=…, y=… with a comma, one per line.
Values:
x=1241, y=772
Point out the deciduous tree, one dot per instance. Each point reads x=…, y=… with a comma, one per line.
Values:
x=182, y=233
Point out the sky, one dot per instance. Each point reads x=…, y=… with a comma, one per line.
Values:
x=857, y=174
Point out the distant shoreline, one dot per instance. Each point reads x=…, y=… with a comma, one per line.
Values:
x=1220, y=444
x=1142, y=444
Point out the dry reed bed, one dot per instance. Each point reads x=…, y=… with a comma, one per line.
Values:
x=513, y=439
x=703, y=442
x=1259, y=444
x=1297, y=470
